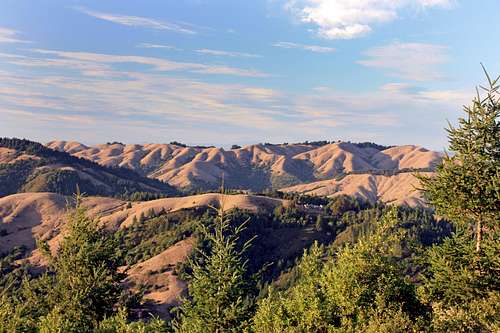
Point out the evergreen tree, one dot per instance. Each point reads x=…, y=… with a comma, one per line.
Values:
x=118, y=323
x=461, y=276
x=461, y=287
x=86, y=284
x=142, y=218
x=220, y=294
x=466, y=188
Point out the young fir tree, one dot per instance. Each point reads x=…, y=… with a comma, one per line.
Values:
x=461, y=279
x=220, y=297
x=86, y=285
x=466, y=187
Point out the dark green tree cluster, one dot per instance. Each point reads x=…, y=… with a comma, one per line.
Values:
x=362, y=288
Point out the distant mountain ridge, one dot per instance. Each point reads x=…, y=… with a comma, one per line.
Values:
x=255, y=167
x=27, y=166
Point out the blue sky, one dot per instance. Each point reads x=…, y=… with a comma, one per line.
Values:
x=224, y=72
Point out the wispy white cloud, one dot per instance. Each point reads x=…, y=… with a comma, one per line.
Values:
x=151, y=103
x=227, y=53
x=44, y=117
x=313, y=48
x=137, y=21
x=10, y=36
x=100, y=94
x=436, y=3
x=97, y=64
x=414, y=61
x=347, y=19
x=158, y=46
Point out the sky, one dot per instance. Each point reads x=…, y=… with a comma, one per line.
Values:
x=215, y=72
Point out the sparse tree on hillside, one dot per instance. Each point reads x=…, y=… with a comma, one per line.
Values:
x=320, y=223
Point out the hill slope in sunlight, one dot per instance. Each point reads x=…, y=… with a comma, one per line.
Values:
x=27, y=166
x=254, y=167
x=27, y=218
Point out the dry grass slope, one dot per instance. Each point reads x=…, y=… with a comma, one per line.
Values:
x=400, y=189
x=268, y=165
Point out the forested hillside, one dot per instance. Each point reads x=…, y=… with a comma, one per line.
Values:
x=27, y=166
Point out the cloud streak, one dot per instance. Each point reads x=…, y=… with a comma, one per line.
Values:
x=227, y=53
x=158, y=46
x=10, y=36
x=98, y=64
x=413, y=61
x=146, y=105
x=138, y=21
x=312, y=48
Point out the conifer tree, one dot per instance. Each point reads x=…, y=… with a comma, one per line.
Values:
x=466, y=188
x=461, y=277
x=86, y=278
x=220, y=297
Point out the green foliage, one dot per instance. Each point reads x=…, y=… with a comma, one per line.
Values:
x=119, y=324
x=147, y=237
x=13, y=316
x=281, y=181
x=358, y=144
x=343, y=203
x=320, y=223
x=290, y=216
x=220, y=294
x=142, y=196
x=359, y=288
x=7, y=260
x=14, y=175
x=466, y=188
x=87, y=282
x=307, y=291
x=58, y=181
x=461, y=275
x=461, y=286
x=81, y=287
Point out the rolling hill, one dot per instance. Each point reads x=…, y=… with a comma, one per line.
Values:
x=27, y=166
x=27, y=218
x=398, y=189
x=254, y=167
